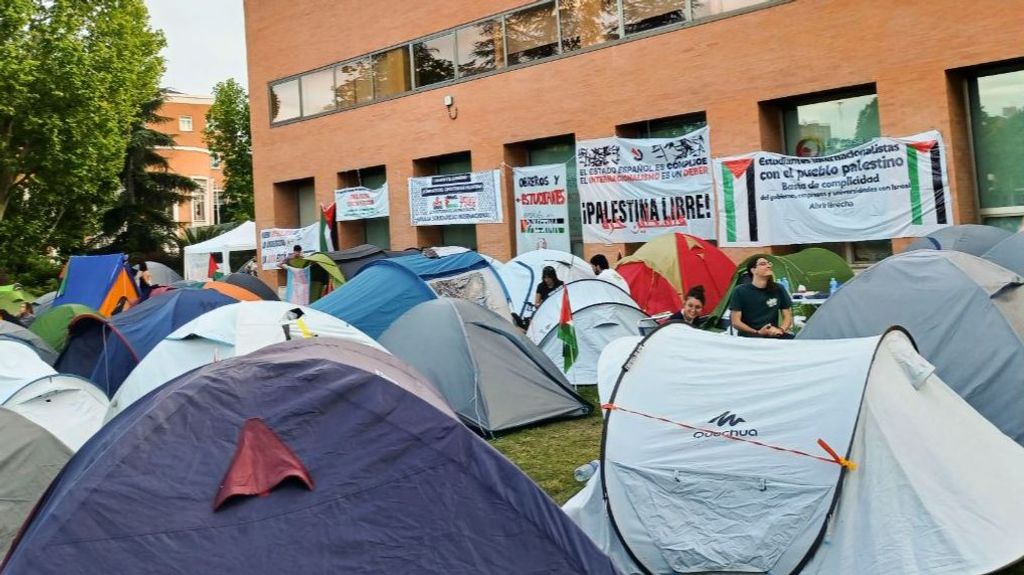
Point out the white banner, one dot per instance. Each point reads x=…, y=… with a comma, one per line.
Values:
x=887, y=188
x=472, y=198
x=634, y=190
x=361, y=203
x=542, y=208
x=276, y=244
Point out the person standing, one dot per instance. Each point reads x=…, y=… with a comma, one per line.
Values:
x=549, y=282
x=599, y=263
x=145, y=281
x=756, y=307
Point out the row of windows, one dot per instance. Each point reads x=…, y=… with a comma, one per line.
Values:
x=811, y=127
x=536, y=32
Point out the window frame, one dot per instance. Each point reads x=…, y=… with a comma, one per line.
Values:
x=182, y=119
x=199, y=197
x=970, y=85
x=504, y=67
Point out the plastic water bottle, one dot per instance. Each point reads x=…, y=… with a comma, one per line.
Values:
x=784, y=282
x=833, y=286
x=584, y=472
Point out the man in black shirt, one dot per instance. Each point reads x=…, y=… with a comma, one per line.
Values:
x=755, y=306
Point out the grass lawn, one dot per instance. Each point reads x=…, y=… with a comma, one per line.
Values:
x=550, y=453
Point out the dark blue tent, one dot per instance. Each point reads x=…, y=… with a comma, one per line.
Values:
x=373, y=474
x=386, y=288
x=106, y=351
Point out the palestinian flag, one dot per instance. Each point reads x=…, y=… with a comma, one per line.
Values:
x=326, y=227
x=927, y=185
x=739, y=195
x=213, y=269
x=567, y=333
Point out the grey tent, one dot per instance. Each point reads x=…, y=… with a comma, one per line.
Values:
x=351, y=260
x=971, y=239
x=30, y=457
x=14, y=332
x=44, y=302
x=161, y=274
x=1009, y=253
x=493, y=377
x=966, y=314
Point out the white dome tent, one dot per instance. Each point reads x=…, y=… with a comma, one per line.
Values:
x=601, y=314
x=69, y=407
x=522, y=273
x=228, y=331
x=726, y=469
x=197, y=256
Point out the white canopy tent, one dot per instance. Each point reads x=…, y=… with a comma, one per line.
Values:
x=69, y=407
x=228, y=331
x=197, y=256
x=712, y=463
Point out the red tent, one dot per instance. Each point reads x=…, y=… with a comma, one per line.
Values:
x=661, y=271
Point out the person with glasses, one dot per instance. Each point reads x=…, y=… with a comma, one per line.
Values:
x=756, y=307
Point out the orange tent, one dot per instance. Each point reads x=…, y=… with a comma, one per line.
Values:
x=231, y=290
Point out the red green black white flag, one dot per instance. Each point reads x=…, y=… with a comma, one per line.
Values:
x=567, y=333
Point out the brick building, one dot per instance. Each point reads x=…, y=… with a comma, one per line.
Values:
x=186, y=119
x=346, y=92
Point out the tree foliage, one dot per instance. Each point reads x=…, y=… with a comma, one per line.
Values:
x=229, y=136
x=72, y=77
x=141, y=221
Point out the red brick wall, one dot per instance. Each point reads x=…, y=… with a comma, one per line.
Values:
x=726, y=68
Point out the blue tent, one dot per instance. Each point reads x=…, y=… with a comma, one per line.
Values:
x=106, y=351
x=376, y=297
x=1009, y=253
x=99, y=282
x=367, y=472
x=386, y=288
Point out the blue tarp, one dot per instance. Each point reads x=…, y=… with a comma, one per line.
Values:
x=88, y=279
x=377, y=296
x=399, y=486
x=106, y=351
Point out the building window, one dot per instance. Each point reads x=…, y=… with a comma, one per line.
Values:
x=532, y=34
x=824, y=126
x=284, y=101
x=642, y=15
x=199, y=201
x=218, y=201
x=354, y=83
x=705, y=8
x=561, y=150
x=587, y=22
x=997, y=124
x=215, y=161
x=391, y=73
x=184, y=123
x=668, y=127
x=481, y=48
x=516, y=37
x=318, y=92
x=434, y=60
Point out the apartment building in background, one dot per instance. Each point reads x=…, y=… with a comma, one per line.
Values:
x=186, y=119
x=347, y=92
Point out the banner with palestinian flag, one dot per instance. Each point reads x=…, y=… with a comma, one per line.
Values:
x=886, y=188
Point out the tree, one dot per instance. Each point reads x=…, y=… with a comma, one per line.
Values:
x=228, y=135
x=141, y=221
x=72, y=76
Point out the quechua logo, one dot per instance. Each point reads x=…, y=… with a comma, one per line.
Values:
x=727, y=421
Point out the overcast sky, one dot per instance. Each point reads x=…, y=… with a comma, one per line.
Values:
x=205, y=42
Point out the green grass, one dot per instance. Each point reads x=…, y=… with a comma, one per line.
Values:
x=550, y=453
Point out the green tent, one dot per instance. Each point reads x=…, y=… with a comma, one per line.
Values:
x=11, y=297
x=325, y=276
x=812, y=268
x=52, y=326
